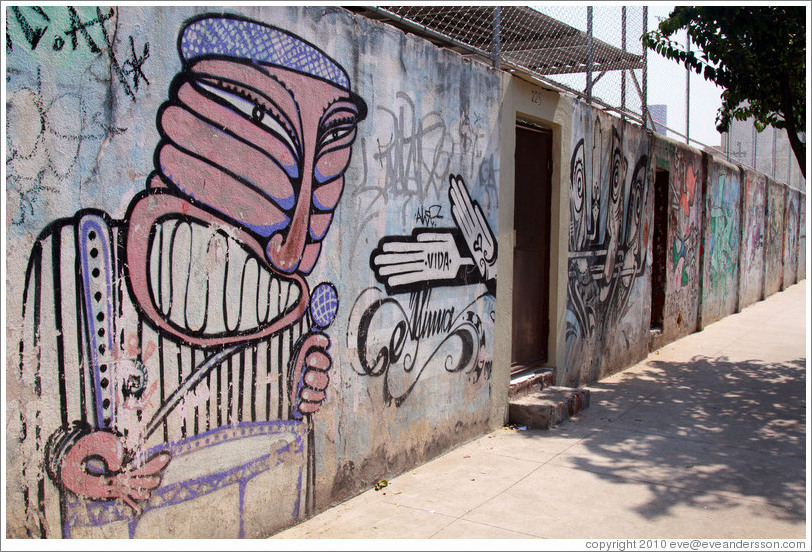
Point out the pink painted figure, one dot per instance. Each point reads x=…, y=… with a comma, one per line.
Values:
x=197, y=324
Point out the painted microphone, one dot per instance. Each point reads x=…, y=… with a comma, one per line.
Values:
x=323, y=305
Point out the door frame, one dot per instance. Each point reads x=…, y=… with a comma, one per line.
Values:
x=527, y=100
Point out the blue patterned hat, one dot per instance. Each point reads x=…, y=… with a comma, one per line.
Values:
x=236, y=37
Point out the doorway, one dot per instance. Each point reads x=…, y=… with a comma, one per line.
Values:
x=659, y=249
x=531, y=249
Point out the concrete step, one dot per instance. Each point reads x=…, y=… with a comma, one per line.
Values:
x=548, y=407
x=531, y=381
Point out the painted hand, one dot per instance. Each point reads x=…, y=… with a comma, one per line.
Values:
x=310, y=365
x=94, y=468
x=471, y=221
x=427, y=256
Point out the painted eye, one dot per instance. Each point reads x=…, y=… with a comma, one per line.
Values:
x=338, y=126
x=258, y=114
x=338, y=131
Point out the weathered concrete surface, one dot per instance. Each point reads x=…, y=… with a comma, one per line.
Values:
x=754, y=229
x=547, y=408
x=706, y=438
x=774, y=238
x=791, y=234
x=802, y=239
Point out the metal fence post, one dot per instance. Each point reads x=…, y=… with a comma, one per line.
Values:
x=688, y=96
x=645, y=70
x=589, y=55
x=623, y=72
x=497, y=30
x=755, y=147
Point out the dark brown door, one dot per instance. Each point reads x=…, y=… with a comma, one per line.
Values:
x=660, y=249
x=531, y=252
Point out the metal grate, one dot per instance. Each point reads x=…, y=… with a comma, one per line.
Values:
x=556, y=44
x=593, y=52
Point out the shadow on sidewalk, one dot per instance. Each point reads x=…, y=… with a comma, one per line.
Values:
x=711, y=433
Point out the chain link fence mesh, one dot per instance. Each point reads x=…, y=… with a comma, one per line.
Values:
x=595, y=52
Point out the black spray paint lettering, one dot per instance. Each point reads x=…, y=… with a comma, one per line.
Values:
x=130, y=72
x=415, y=157
x=52, y=142
x=439, y=260
x=396, y=354
x=428, y=216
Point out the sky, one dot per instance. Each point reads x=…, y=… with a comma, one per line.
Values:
x=667, y=86
x=666, y=78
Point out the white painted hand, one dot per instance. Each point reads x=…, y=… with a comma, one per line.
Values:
x=410, y=260
x=471, y=221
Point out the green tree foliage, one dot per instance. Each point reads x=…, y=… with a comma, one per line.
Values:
x=757, y=54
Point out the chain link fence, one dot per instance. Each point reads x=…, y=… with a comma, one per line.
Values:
x=595, y=53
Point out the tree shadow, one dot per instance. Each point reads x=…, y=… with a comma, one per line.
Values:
x=710, y=433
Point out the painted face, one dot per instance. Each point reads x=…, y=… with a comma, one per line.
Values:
x=264, y=147
x=258, y=154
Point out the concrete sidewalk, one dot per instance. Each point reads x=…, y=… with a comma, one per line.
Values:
x=706, y=438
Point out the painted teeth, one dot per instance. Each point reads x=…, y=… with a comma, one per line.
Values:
x=205, y=281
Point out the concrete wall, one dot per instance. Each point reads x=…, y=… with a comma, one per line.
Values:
x=774, y=238
x=721, y=236
x=238, y=294
x=802, y=238
x=791, y=219
x=754, y=229
x=610, y=235
x=686, y=174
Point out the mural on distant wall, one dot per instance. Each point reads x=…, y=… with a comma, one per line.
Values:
x=752, y=255
x=774, y=241
x=682, y=264
x=419, y=335
x=721, y=244
x=191, y=322
x=684, y=247
x=608, y=243
x=791, y=239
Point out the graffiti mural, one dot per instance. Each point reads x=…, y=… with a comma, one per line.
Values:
x=608, y=244
x=721, y=243
x=752, y=249
x=190, y=323
x=802, y=238
x=685, y=200
x=684, y=246
x=398, y=340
